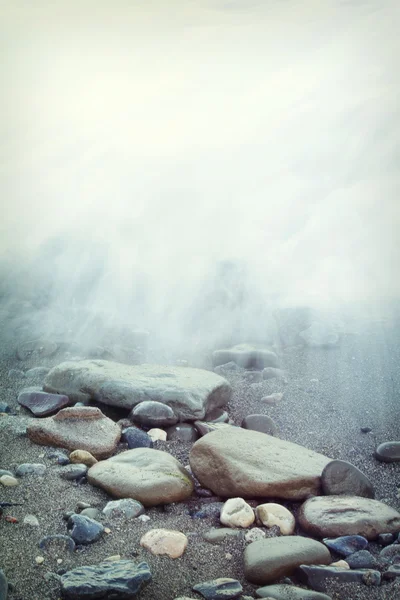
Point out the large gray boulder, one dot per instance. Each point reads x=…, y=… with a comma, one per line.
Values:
x=266, y=561
x=333, y=516
x=151, y=476
x=235, y=462
x=189, y=392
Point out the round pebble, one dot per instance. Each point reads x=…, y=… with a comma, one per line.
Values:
x=237, y=513
x=388, y=452
x=271, y=514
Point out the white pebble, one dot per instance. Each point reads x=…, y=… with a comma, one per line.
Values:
x=143, y=518
x=271, y=514
x=157, y=434
x=237, y=513
x=31, y=520
x=8, y=481
x=39, y=560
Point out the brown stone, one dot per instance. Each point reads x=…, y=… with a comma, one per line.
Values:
x=77, y=428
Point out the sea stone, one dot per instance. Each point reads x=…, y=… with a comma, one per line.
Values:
x=82, y=428
x=74, y=471
x=362, y=560
x=261, y=423
x=121, y=579
x=341, y=477
x=151, y=476
x=271, y=514
x=237, y=513
x=84, y=530
x=216, y=536
x=237, y=462
x=388, y=452
x=136, y=438
x=165, y=541
x=333, y=516
x=82, y=457
x=223, y=588
x=3, y=586
x=267, y=560
x=127, y=507
x=346, y=544
x=204, y=427
x=183, y=432
x=42, y=404
x=30, y=469
x=157, y=435
x=153, y=414
x=289, y=592
x=319, y=578
x=189, y=392
x=246, y=356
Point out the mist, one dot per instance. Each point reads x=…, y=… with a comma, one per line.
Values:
x=188, y=167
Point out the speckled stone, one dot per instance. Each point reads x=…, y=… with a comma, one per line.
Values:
x=346, y=544
x=223, y=588
x=84, y=530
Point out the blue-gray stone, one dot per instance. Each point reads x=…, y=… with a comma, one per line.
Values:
x=346, y=544
x=223, y=588
x=120, y=579
x=127, y=507
x=74, y=471
x=84, y=530
x=5, y=472
x=56, y=543
x=362, y=560
x=136, y=438
x=42, y=404
x=4, y=408
x=289, y=592
x=384, y=539
x=318, y=577
x=388, y=452
x=150, y=413
x=183, y=432
x=340, y=477
x=30, y=469
x=391, y=553
x=3, y=586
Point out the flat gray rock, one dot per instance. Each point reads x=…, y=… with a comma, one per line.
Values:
x=120, y=579
x=236, y=462
x=150, y=476
x=318, y=577
x=342, y=478
x=266, y=561
x=289, y=592
x=191, y=393
x=246, y=356
x=333, y=516
x=388, y=452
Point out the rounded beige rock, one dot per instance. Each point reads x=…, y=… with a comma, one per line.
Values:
x=82, y=457
x=157, y=434
x=271, y=514
x=8, y=481
x=165, y=541
x=237, y=513
x=342, y=564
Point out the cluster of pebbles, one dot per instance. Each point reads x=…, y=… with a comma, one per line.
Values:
x=302, y=519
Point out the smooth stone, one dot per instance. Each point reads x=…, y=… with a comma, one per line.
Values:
x=388, y=452
x=184, y=432
x=40, y=348
x=272, y=373
x=72, y=472
x=246, y=356
x=261, y=423
x=342, y=564
x=318, y=578
x=63, y=460
x=151, y=476
x=83, y=428
x=136, y=438
x=8, y=481
x=390, y=552
x=267, y=560
x=341, y=477
x=320, y=335
x=365, y=429
x=217, y=416
x=121, y=579
x=216, y=536
x=92, y=513
x=5, y=472
x=165, y=542
x=127, y=507
x=190, y=392
x=236, y=462
x=384, y=539
x=31, y=521
x=37, y=374
x=223, y=588
x=82, y=457
x=272, y=398
x=57, y=543
x=346, y=544
x=204, y=427
x=157, y=435
x=392, y=572
x=153, y=414
x=289, y=592
x=237, y=513
x=362, y=560
x=84, y=530
x=30, y=469
x=271, y=514
x=4, y=408
x=3, y=586
x=334, y=516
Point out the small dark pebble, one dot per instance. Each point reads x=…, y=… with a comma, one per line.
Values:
x=84, y=530
x=365, y=429
x=384, y=539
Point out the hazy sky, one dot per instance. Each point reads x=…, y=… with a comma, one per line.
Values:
x=178, y=132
